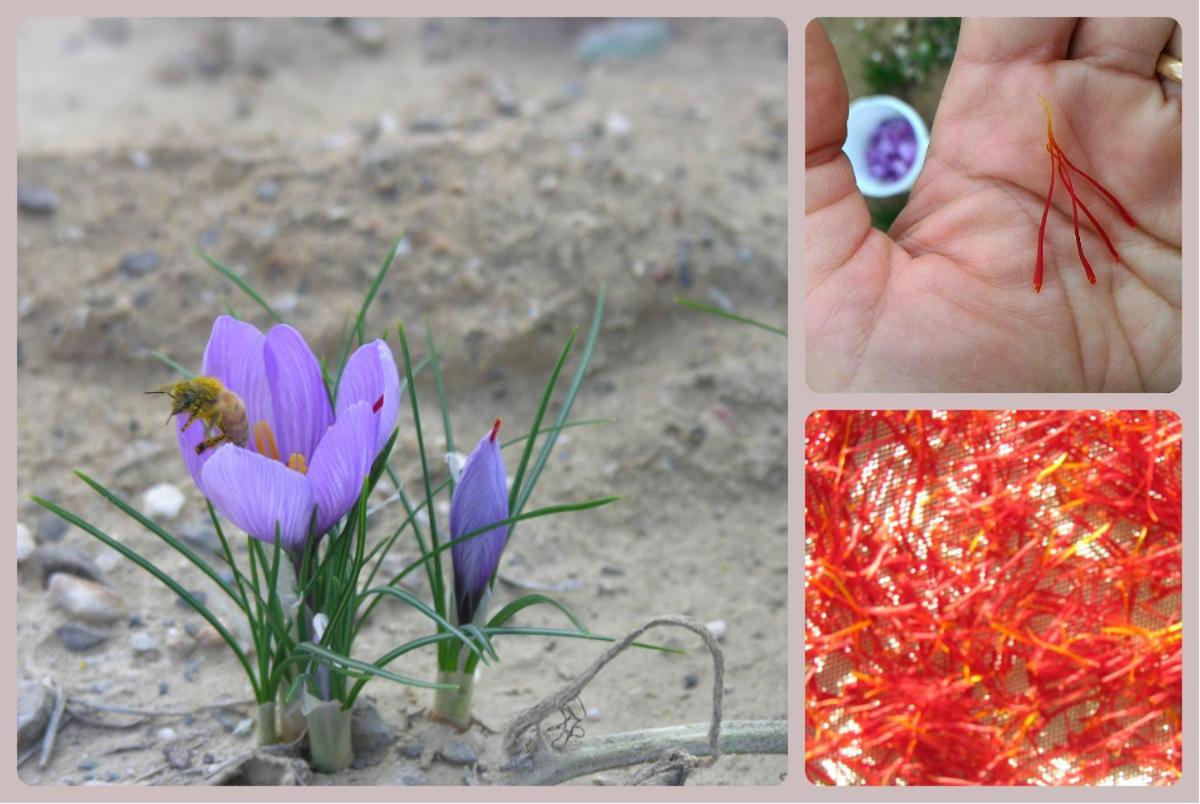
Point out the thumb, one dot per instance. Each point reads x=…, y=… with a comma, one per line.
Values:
x=826, y=101
x=837, y=221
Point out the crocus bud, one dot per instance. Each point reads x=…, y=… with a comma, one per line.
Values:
x=480, y=499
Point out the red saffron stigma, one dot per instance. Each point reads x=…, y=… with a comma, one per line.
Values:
x=378, y=406
x=495, y=431
x=1061, y=166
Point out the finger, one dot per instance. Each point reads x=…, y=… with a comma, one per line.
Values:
x=826, y=101
x=1130, y=45
x=1172, y=89
x=1175, y=44
x=991, y=41
x=836, y=220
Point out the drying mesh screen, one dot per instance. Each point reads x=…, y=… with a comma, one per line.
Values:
x=993, y=597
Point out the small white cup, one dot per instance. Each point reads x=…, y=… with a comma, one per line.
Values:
x=865, y=116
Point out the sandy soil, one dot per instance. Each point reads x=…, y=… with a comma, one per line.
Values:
x=525, y=180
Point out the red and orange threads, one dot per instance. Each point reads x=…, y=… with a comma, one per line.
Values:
x=1060, y=166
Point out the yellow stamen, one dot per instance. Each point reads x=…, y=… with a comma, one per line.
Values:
x=1083, y=542
x=264, y=441
x=296, y=462
x=1052, y=468
x=1049, y=119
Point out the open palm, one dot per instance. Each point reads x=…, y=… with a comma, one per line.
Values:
x=945, y=301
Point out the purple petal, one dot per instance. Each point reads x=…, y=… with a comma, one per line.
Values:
x=370, y=376
x=256, y=493
x=188, y=439
x=480, y=499
x=341, y=463
x=234, y=356
x=300, y=404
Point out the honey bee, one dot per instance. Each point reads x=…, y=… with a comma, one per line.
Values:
x=220, y=410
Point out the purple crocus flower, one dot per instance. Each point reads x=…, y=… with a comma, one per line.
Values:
x=480, y=499
x=302, y=453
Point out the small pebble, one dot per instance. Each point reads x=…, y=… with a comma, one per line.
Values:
x=720, y=299
x=267, y=192
x=34, y=704
x=459, y=752
x=594, y=713
x=228, y=719
x=178, y=754
x=286, y=303
x=690, y=681
x=51, y=528
x=25, y=543
x=179, y=643
x=163, y=500
x=367, y=33
x=36, y=200
x=143, y=643
x=243, y=727
x=505, y=100
x=716, y=628
x=617, y=125
x=427, y=125
x=139, y=263
x=411, y=778
x=208, y=638
x=88, y=764
x=85, y=600
x=209, y=238
x=52, y=558
x=370, y=735
x=108, y=559
x=78, y=638
x=200, y=534
x=140, y=159
x=163, y=688
x=166, y=735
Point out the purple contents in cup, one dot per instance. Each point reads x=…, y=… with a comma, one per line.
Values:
x=892, y=149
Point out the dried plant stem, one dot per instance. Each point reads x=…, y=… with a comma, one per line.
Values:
x=596, y=754
x=60, y=704
x=528, y=756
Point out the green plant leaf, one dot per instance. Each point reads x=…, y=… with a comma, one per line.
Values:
x=243, y=284
x=717, y=311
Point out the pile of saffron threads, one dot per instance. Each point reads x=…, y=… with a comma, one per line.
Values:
x=1061, y=165
x=993, y=598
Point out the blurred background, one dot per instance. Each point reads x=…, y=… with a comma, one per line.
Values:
x=905, y=57
x=527, y=163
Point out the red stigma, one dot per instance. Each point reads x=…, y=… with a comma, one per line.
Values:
x=378, y=406
x=495, y=430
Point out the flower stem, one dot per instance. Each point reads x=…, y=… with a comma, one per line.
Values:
x=329, y=737
x=266, y=724
x=453, y=706
x=291, y=716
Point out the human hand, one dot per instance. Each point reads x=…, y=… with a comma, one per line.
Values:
x=944, y=301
